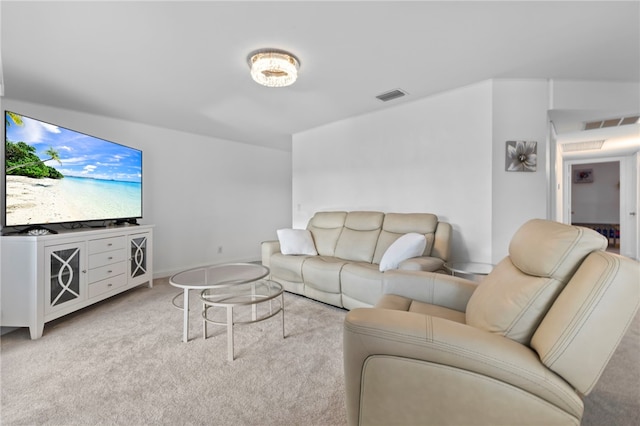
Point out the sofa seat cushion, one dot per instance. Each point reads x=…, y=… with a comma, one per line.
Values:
x=400, y=303
x=361, y=281
x=286, y=267
x=323, y=273
x=423, y=263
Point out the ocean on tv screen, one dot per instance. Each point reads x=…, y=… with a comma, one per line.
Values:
x=56, y=175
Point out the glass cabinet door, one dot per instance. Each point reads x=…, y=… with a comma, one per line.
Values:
x=64, y=277
x=138, y=260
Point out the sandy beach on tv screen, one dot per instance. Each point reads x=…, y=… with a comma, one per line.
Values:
x=71, y=199
x=37, y=201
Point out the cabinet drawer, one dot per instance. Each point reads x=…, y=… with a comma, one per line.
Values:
x=104, y=286
x=107, y=244
x=107, y=258
x=103, y=272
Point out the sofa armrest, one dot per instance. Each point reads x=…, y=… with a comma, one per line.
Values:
x=442, y=241
x=429, y=287
x=465, y=350
x=423, y=263
x=268, y=249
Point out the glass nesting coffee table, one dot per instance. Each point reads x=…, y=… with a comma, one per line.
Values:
x=229, y=286
x=469, y=268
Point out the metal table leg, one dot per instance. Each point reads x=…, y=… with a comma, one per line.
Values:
x=282, y=307
x=185, y=305
x=230, y=333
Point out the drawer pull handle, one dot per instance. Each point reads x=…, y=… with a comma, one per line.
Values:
x=109, y=285
x=110, y=257
x=110, y=244
x=109, y=271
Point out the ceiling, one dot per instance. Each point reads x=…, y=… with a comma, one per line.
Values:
x=182, y=65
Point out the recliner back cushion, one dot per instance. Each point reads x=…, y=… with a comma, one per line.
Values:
x=326, y=227
x=515, y=296
x=358, y=239
x=584, y=326
x=510, y=302
x=551, y=249
x=396, y=225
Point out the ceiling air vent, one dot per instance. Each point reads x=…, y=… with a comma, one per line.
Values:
x=582, y=146
x=393, y=94
x=630, y=120
x=611, y=122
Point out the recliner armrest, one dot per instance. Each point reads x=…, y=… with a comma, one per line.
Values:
x=268, y=249
x=371, y=332
x=428, y=287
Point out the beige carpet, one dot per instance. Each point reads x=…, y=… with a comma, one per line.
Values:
x=122, y=362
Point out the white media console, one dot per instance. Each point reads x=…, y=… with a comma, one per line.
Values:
x=47, y=276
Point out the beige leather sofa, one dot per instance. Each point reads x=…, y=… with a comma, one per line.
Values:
x=521, y=347
x=350, y=245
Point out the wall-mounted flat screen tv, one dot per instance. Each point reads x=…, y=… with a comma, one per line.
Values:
x=54, y=175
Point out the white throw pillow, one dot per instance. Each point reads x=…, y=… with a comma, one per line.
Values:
x=407, y=246
x=296, y=241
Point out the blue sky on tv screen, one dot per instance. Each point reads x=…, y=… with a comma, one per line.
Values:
x=81, y=155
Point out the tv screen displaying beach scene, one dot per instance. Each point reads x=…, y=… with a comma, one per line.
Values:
x=56, y=175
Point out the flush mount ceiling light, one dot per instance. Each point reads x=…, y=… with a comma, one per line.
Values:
x=273, y=68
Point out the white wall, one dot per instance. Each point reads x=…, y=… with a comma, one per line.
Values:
x=200, y=192
x=519, y=113
x=444, y=155
x=431, y=155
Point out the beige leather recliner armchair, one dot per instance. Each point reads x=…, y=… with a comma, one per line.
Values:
x=521, y=347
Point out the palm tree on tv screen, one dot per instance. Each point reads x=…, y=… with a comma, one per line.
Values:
x=14, y=117
x=23, y=157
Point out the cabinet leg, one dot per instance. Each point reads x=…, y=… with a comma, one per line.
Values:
x=36, y=331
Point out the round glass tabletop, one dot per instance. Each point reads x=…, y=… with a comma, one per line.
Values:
x=470, y=268
x=222, y=275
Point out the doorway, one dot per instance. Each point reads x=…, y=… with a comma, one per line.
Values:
x=595, y=199
x=602, y=193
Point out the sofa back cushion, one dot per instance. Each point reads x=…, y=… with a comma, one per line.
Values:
x=358, y=239
x=396, y=225
x=515, y=296
x=326, y=227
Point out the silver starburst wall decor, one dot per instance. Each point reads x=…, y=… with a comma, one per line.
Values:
x=521, y=156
